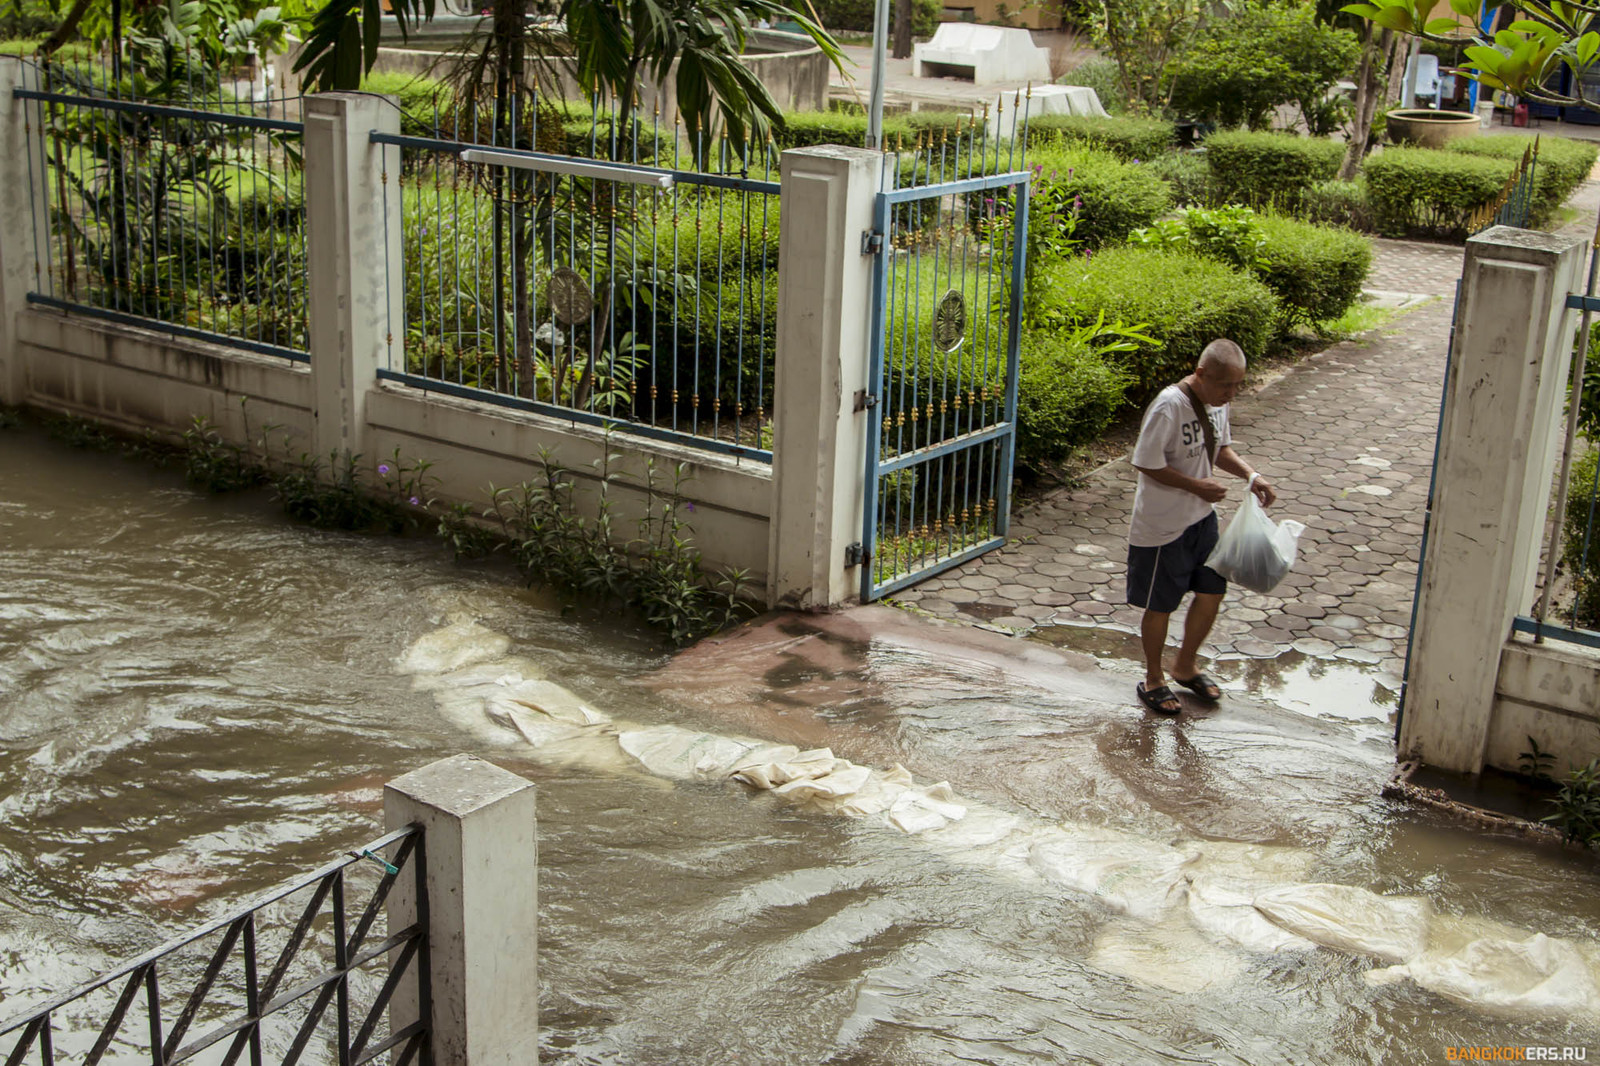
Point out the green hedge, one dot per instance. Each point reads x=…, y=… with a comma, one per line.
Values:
x=1563, y=165
x=857, y=15
x=1580, y=497
x=1116, y=197
x=1338, y=203
x=1184, y=301
x=803, y=129
x=1316, y=271
x=1066, y=396
x=1188, y=174
x=1269, y=168
x=1430, y=192
x=1132, y=139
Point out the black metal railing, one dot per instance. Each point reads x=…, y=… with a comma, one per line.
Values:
x=242, y=1015
x=175, y=207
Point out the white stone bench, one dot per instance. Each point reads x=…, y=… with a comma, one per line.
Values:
x=1008, y=114
x=988, y=54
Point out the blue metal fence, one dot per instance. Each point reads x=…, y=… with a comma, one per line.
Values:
x=242, y=1011
x=950, y=241
x=174, y=207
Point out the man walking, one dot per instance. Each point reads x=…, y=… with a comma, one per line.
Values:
x=1183, y=440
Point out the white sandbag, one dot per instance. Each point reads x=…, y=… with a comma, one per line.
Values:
x=539, y=730
x=452, y=647
x=1226, y=911
x=771, y=772
x=1394, y=928
x=551, y=699
x=918, y=810
x=879, y=793
x=845, y=779
x=1540, y=975
x=1169, y=954
x=683, y=754
x=1130, y=875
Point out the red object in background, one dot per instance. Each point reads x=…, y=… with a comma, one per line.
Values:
x=1519, y=115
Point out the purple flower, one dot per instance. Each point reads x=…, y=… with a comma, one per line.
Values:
x=383, y=468
x=1135, y=162
x=415, y=502
x=690, y=505
x=1070, y=170
x=1052, y=172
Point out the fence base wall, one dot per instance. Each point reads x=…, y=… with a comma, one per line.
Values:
x=472, y=446
x=137, y=380
x=1552, y=694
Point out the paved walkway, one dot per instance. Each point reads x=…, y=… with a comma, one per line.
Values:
x=1347, y=436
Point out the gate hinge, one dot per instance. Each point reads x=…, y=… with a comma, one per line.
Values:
x=871, y=242
x=864, y=400
x=855, y=554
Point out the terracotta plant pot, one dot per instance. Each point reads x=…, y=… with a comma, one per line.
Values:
x=1430, y=129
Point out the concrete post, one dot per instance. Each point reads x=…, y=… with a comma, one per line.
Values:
x=354, y=263
x=483, y=907
x=1499, y=441
x=24, y=221
x=819, y=441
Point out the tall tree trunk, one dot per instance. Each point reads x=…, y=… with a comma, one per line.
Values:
x=1370, y=82
x=902, y=29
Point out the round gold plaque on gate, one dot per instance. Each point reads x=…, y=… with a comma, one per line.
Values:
x=570, y=298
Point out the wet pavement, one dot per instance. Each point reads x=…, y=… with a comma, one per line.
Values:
x=1347, y=436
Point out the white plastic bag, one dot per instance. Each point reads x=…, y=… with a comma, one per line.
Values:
x=1254, y=551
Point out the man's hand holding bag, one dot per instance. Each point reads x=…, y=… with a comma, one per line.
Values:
x=1254, y=551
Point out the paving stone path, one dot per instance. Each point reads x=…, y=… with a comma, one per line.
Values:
x=1347, y=435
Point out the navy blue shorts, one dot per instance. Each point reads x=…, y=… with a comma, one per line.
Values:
x=1158, y=577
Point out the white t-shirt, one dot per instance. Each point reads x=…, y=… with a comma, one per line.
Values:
x=1171, y=435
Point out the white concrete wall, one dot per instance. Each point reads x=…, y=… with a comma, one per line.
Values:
x=473, y=446
x=1550, y=692
x=136, y=380
x=481, y=865
x=819, y=439
x=1499, y=437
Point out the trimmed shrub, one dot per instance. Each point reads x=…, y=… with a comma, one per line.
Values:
x=1066, y=395
x=1562, y=166
x=1316, y=271
x=857, y=15
x=1114, y=197
x=1102, y=76
x=1580, y=499
x=1132, y=139
x=1242, y=68
x=803, y=129
x=1338, y=203
x=1183, y=301
x=1269, y=168
x=1188, y=174
x=1429, y=192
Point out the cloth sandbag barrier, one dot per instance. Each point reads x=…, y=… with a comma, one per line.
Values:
x=1190, y=911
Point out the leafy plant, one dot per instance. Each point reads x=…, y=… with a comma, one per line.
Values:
x=215, y=463
x=1144, y=37
x=1242, y=68
x=1577, y=806
x=1259, y=169
x=1069, y=389
x=1429, y=192
x=1231, y=234
x=1110, y=198
x=1535, y=762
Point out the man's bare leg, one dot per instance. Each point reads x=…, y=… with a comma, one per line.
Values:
x=1153, y=635
x=1196, y=628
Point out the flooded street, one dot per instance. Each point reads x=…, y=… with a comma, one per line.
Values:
x=199, y=699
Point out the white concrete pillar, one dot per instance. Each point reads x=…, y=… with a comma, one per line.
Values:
x=483, y=907
x=819, y=441
x=1499, y=443
x=354, y=263
x=24, y=224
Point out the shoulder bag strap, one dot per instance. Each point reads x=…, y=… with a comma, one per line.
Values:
x=1205, y=423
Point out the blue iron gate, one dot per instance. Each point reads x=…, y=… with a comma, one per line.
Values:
x=942, y=393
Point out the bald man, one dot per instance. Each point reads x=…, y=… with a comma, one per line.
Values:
x=1174, y=523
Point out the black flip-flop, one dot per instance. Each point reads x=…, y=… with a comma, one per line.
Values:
x=1202, y=686
x=1158, y=699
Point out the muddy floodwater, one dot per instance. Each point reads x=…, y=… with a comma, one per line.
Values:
x=199, y=699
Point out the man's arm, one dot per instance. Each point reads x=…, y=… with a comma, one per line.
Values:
x=1208, y=489
x=1229, y=462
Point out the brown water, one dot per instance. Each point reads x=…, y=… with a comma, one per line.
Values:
x=198, y=700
